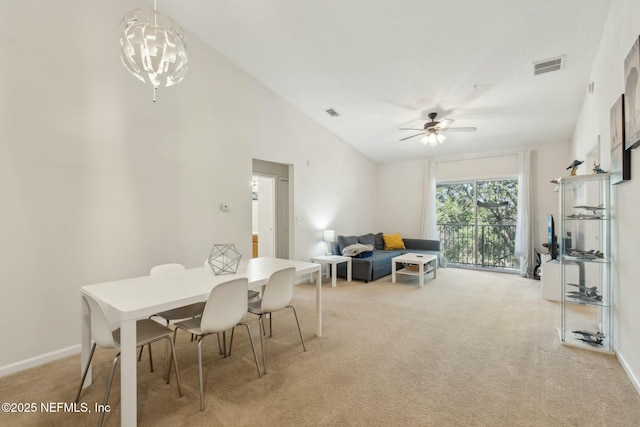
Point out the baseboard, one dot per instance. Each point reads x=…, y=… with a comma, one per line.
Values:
x=627, y=369
x=38, y=360
x=305, y=279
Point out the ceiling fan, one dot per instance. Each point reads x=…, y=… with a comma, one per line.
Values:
x=434, y=132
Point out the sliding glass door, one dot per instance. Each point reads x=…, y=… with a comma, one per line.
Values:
x=477, y=223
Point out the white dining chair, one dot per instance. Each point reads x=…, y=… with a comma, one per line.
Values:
x=175, y=314
x=180, y=313
x=147, y=331
x=277, y=295
x=224, y=310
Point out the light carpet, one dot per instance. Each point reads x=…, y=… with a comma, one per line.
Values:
x=469, y=349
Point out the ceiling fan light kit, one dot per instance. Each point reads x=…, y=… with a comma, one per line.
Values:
x=433, y=132
x=433, y=139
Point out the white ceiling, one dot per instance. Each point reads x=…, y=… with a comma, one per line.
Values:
x=385, y=64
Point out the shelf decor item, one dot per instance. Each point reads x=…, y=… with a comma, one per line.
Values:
x=620, y=158
x=632, y=97
x=224, y=259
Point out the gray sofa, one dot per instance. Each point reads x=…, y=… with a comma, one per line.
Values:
x=378, y=264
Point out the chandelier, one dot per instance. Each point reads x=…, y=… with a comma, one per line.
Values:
x=153, y=48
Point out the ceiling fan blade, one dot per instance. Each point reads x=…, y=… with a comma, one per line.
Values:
x=465, y=129
x=443, y=124
x=421, y=133
x=409, y=129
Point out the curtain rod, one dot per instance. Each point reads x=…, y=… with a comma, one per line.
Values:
x=476, y=157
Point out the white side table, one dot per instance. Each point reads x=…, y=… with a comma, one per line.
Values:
x=332, y=262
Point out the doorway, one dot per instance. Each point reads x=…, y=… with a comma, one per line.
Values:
x=271, y=204
x=263, y=225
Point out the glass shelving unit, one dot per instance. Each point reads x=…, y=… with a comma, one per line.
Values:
x=585, y=241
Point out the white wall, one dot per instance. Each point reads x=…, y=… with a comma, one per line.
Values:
x=549, y=161
x=401, y=198
x=401, y=185
x=99, y=183
x=621, y=31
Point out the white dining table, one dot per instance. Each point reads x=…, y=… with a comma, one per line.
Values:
x=128, y=300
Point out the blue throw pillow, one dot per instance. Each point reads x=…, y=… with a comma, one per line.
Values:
x=367, y=239
x=364, y=254
x=379, y=242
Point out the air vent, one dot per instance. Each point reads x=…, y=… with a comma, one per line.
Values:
x=548, y=65
x=332, y=112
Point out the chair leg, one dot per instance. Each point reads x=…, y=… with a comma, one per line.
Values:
x=167, y=366
x=270, y=325
x=224, y=344
x=150, y=358
x=298, y=323
x=264, y=357
x=140, y=355
x=84, y=374
x=231, y=340
x=253, y=348
x=260, y=320
x=200, y=373
x=166, y=354
x=175, y=365
x=106, y=395
x=219, y=345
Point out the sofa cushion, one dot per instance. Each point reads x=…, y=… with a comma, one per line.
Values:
x=422, y=244
x=367, y=239
x=344, y=241
x=382, y=257
x=393, y=242
x=335, y=248
x=379, y=241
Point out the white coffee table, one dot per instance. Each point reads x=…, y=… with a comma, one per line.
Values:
x=421, y=260
x=332, y=262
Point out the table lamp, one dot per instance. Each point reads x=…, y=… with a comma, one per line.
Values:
x=329, y=236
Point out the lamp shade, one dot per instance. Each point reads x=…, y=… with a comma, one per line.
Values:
x=329, y=235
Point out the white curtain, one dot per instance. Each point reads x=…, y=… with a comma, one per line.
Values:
x=524, y=246
x=429, y=220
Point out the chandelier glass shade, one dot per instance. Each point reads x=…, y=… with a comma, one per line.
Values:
x=433, y=138
x=153, y=48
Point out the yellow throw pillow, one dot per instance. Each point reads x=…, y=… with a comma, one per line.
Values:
x=393, y=241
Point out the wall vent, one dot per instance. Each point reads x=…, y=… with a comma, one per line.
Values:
x=332, y=112
x=548, y=65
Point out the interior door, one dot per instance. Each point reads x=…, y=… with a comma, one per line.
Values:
x=282, y=218
x=266, y=216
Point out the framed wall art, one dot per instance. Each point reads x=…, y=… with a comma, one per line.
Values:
x=620, y=158
x=632, y=97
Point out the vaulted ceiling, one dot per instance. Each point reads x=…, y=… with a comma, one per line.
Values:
x=383, y=65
